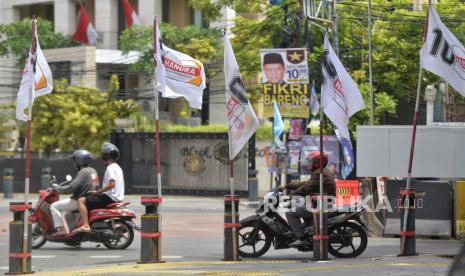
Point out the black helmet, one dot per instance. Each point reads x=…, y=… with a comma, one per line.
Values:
x=82, y=157
x=110, y=151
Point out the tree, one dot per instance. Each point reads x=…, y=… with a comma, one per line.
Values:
x=15, y=38
x=75, y=117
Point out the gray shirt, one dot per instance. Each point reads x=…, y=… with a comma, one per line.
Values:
x=85, y=181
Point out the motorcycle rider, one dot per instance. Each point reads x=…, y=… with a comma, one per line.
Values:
x=112, y=188
x=307, y=188
x=84, y=182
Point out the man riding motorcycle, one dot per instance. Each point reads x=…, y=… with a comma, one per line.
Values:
x=85, y=181
x=306, y=188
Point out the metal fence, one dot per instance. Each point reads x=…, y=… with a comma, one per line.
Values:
x=190, y=162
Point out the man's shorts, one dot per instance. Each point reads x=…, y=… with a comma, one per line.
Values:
x=98, y=201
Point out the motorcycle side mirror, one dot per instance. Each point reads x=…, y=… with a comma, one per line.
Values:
x=68, y=177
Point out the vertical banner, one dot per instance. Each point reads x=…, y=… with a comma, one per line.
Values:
x=285, y=79
x=311, y=143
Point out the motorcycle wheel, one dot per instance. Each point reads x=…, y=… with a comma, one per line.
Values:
x=347, y=240
x=124, y=235
x=38, y=236
x=263, y=239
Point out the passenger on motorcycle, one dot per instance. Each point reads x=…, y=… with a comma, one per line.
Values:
x=307, y=188
x=112, y=188
x=84, y=182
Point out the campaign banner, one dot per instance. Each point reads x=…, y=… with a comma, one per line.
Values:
x=292, y=99
x=281, y=66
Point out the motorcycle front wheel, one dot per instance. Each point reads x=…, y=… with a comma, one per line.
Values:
x=253, y=247
x=123, y=236
x=38, y=236
x=347, y=240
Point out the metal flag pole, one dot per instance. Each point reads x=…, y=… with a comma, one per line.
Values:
x=28, y=144
x=157, y=130
x=403, y=238
x=370, y=71
x=321, y=180
x=233, y=209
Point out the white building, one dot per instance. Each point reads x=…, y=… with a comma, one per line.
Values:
x=93, y=66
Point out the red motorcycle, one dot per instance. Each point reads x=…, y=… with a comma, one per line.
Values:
x=112, y=226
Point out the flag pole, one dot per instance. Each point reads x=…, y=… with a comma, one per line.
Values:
x=28, y=144
x=321, y=180
x=233, y=209
x=157, y=130
x=403, y=238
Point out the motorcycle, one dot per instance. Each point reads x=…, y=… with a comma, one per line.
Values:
x=347, y=234
x=112, y=226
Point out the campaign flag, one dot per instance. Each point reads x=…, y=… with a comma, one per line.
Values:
x=341, y=99
x=314, y=105
x=129, y=14
x=41, y=82
x=443, y=54
x=85, y=32
x=278, y=127
x=179, y=75
x=241, y=118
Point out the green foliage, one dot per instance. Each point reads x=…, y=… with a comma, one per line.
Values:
x=15, y=38
x=197, y=42
x=113, y=84
x=75, y=117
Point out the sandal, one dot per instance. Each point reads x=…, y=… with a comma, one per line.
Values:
x=82, y=229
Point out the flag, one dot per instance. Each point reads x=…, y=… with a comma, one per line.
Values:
x=41, y=82
x=179, y=75
x=85, y=32
x=278, y=127
x=241, y=118
x=341, y=99
x=129, y=14
x=314, y=105
x=443, y=54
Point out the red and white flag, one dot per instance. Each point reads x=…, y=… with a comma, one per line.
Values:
x=129, y=14
x=41, y=82
x=179, y=75
x=85, y=32
x=241, y=118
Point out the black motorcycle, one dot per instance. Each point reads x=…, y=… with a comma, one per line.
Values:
x=346, y=231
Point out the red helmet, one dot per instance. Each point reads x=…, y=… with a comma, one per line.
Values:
x=314, y=160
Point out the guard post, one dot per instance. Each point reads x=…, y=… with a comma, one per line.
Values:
x=253, y=185
x=8, y=182
x=150, y=251
x=318, y=237
x=409, y=235
x=17, y=256
x=231, y=252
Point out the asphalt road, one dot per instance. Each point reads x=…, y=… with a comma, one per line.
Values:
x=192, y=232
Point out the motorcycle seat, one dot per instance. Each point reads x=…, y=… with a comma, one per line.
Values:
x=117, y=204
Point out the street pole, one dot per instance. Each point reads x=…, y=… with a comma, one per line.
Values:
x=335, y=35
x=370, y=71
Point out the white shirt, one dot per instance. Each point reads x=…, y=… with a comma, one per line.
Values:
x=114, y=172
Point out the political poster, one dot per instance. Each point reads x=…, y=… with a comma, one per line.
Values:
x=285, y=81
x=311, y=143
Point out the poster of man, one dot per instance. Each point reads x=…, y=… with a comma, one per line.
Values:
x=285, y=81
x=311, y=143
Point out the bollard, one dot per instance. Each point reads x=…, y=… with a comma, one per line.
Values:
x=45, y=177
x=8, y=182
x=17, y=256
x=410, y=234
x=253, y=185
x=150, y=251
x=317, y=236
x=231, y=253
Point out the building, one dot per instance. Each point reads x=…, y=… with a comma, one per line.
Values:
x=93, y=66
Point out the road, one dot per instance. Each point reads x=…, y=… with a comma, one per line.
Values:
x=192, y=232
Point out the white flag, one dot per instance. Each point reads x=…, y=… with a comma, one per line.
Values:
x=341, y=99
x=42, y=83
x=241, y=118
x=179, y=75
x=443, y=54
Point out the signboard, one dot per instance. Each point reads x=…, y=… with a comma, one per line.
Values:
x=285, y=81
